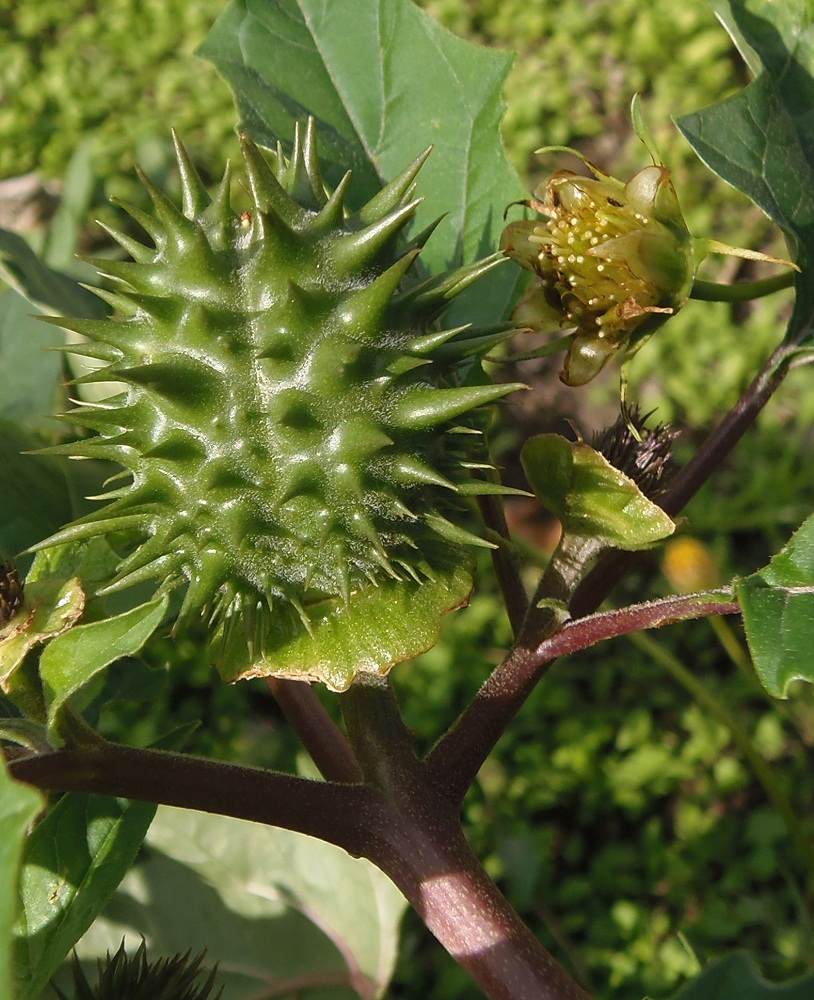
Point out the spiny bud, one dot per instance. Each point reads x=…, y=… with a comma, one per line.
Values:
x=642, y=455
x=295, y=427
x=124, y=978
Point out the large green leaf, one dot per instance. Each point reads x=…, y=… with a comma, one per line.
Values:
x=271, y=906
x=73, y=659
x=34, y=495
x=39, y=493
x=778, y=613
x=384, y=81
x=761, y=140
x=40, y=284
x=19, y=804
x=29, y=373
x=72, y=864
x=736, y=978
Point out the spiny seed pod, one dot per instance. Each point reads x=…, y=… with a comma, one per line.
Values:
x=295, y=433
x=123, y=978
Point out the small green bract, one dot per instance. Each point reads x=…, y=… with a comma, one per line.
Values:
x=295, y=431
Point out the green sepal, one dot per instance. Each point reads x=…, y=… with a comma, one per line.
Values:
x=381, y=626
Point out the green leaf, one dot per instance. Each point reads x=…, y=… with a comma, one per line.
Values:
x=288, y=58
x=72, y=864
x=736, y=978
x=29, y=372
x=591, y=498
x=35, y=497
x=19, y=804
x=778, y=613
x=384, y=625
x=72, y=660
x=90, y=559
x=44, y=287
x=39, y=494
x=760, y=140
x=270, y=906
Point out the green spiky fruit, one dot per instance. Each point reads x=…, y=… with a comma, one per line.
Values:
x=296, y=438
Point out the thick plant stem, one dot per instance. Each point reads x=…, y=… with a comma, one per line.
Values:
x=429, y=860
x=420, y=845
x=458, y=756
x=339, y=814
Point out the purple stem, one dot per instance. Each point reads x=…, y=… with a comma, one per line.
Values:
x=341, y=814
x=320, y=735
x=404, y=826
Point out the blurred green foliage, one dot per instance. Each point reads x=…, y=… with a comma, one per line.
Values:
x=121, y=72
x=615, y=812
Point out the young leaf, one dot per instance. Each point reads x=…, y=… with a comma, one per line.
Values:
x=19, y=804
x=270, y=906
x=364, y=121
x=778, y=613
x=72, y=864
x=736, y=976
x=30, y=374
x=590, y=497
x=71, y=660
x=49, y=608
x=760, y=140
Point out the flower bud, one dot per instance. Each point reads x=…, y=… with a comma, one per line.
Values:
x=615, y=261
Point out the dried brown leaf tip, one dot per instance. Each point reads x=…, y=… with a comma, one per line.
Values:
x=11, y=592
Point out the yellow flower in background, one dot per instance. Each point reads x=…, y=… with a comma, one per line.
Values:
x=689, y=565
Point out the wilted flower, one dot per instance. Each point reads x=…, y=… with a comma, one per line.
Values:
x=615, y=261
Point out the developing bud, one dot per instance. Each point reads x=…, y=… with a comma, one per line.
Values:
x=641, y=454
x=615, y=261
x=121, y=977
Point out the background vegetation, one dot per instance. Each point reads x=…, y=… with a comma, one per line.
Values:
x=626, y=827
